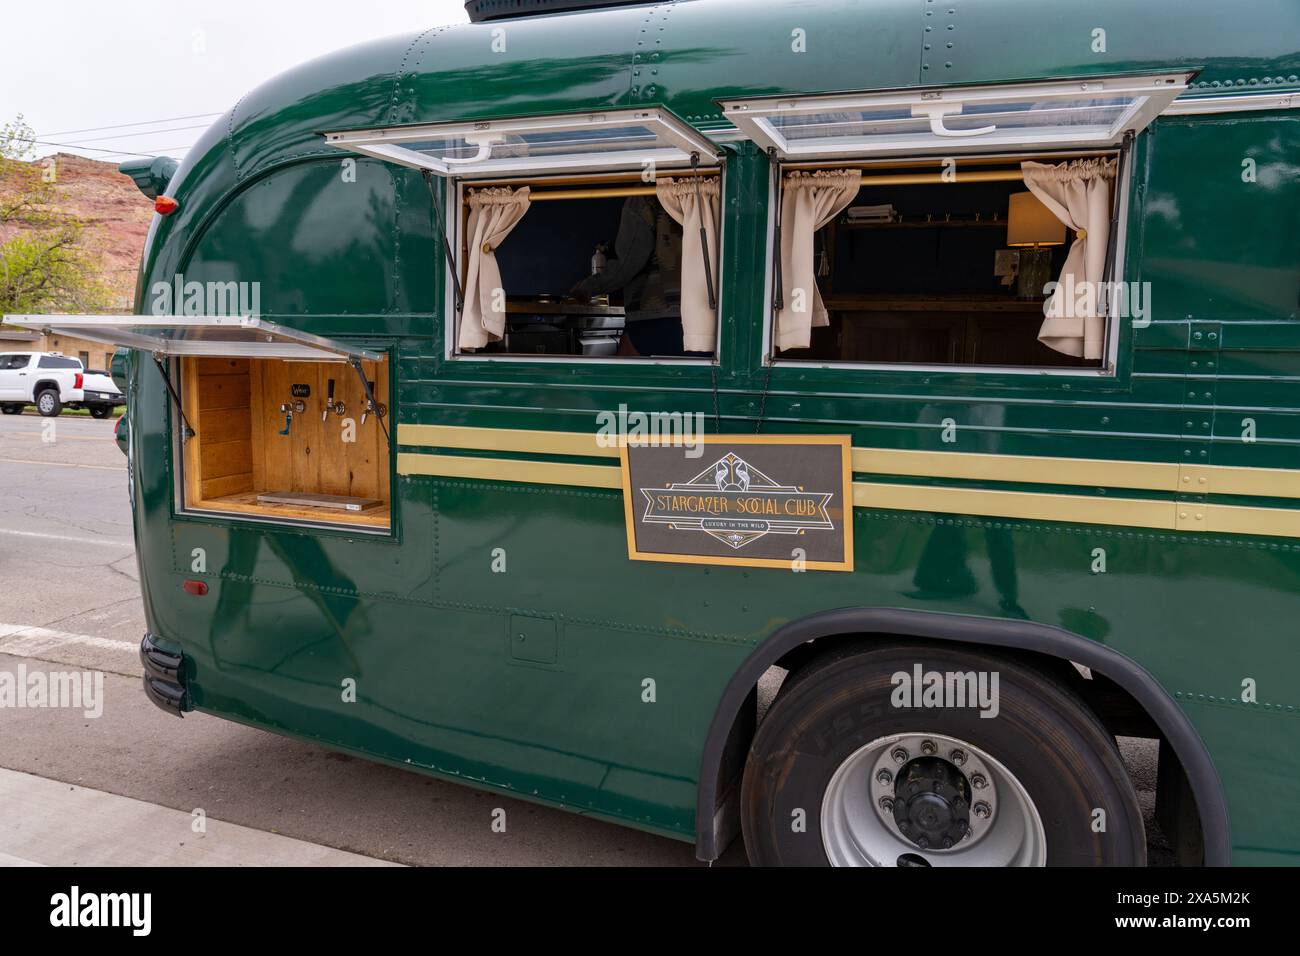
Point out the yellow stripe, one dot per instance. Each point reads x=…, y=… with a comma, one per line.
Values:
x=1030, y=469
x=1227, y=480
x=504, y=439
x=1030, y=506
x=1150, y=476
x=506, y=469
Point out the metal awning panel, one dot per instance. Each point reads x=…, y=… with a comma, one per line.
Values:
x=214, y=336
x=1093, y=112
x=607, y=140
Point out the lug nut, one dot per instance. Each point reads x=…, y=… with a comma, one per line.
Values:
x=983, y=810
x=923, y=843
x=887, y=804
x=947, y=843
x=928, y=748
x=899, y=755
x=978, y=782
x=958, y=757
x=884, y=778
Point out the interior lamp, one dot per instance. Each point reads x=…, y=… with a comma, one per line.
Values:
x=1034, y=230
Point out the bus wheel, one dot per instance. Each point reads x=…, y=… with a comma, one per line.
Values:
x=988, y=762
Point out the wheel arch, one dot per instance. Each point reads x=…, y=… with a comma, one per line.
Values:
x=1046, y=639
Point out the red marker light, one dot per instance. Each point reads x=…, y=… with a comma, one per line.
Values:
x=197, y=588
x=165, y=205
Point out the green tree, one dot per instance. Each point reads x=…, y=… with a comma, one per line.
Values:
x=43, y=265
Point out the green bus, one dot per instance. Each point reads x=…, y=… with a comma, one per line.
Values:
x=828, y=425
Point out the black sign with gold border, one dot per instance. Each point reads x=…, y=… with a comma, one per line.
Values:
x=758, y=501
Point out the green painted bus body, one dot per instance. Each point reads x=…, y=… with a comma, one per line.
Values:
x=419, y=619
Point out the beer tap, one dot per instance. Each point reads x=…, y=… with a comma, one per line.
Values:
x=289, y=409
x=372, y=407
x=338, y=408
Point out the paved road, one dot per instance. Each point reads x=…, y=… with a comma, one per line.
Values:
x=69, y=598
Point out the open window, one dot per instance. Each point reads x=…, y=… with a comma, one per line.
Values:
x=591, y=235
x=974, y=226
x=273, y=423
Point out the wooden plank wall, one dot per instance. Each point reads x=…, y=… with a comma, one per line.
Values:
x=313, y=457
x=221, y=415
x=240, y=451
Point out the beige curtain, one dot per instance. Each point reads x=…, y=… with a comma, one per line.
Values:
x=1079, y=194
x=493, y=213
x=694, y=203
x=809, y=202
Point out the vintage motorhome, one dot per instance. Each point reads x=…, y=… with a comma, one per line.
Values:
x=972, y=331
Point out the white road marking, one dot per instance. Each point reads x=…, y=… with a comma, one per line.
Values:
x=30, y=433
x=101, y=542
x=22, y=640
x=65, y=464
x=49, y=823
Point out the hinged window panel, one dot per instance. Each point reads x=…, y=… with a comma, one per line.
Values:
x=1078, y=113
x=213, y=336
x=608, y=140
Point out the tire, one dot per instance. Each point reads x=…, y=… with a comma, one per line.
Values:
x=100, y=411
x=8, y=409
x=813, y=753
x=48, y=403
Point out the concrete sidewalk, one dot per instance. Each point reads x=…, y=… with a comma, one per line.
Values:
x=48, y=823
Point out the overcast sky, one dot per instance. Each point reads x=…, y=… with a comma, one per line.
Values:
x=76, y=64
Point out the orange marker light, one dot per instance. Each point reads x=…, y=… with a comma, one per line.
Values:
x=165, y=205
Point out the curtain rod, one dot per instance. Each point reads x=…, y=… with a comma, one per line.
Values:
x=925, y=179
x=897, y=179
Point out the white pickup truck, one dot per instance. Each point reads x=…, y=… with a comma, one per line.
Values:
x=52, y=383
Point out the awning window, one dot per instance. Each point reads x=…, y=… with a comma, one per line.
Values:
x=169, y=336
x=219, y=336
x=1083, y=113
x=610, y=140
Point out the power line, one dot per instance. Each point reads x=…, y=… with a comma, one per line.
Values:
x=143, y=132
x=98, y=129
x=113, y=152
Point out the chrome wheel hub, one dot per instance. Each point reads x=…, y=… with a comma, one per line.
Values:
x=928, y=800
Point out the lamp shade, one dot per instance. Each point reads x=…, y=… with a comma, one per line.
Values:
x=1030, y=223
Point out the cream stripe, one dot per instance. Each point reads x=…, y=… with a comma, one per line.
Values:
x=1028, y=506
x=504, y=439
x=1128, y=512
x=1150, y=476
x=506, y=469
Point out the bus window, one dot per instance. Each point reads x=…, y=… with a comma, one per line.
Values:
x=902, y=264
x=614, y=271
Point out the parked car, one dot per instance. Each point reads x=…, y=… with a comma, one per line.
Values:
x=53, y=382
x=101, y=393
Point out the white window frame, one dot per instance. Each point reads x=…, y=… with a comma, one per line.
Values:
x=1109, y=369
x=392, y=144
x=455, y=189
x=1152, y=94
